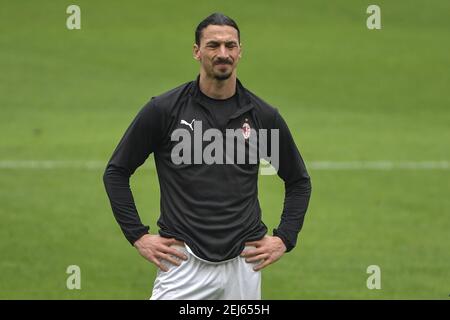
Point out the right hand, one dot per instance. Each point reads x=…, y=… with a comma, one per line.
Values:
x=154, y=248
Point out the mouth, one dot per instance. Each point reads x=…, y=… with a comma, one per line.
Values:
x=223, y=63
x=222, y=67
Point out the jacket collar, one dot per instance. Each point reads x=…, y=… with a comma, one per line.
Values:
x=243, y=99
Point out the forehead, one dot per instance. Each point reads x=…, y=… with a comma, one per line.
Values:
x=219, y=33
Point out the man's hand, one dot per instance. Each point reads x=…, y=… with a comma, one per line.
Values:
x=268, y=250
x=154, y=248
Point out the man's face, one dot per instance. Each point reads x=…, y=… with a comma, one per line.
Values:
x=219, y=51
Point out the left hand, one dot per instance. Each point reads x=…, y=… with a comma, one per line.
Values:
x=269, y=249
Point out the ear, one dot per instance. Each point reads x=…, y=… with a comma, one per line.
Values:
x=240, y=50
x=196, y=52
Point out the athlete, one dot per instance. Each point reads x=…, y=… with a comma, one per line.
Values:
x=212, y=243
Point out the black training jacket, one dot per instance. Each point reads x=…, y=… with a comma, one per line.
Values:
x=214, y=208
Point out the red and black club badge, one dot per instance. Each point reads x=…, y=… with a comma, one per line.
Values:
x=246, y=130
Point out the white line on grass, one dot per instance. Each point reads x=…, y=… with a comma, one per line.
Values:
x=314, y=165
x=379, y=165
x=51, y=164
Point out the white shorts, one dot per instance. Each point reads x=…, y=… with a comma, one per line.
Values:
x=197, y=279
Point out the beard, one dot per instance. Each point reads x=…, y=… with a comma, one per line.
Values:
x=222, y=75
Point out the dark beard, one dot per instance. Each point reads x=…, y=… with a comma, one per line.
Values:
x=222, y=77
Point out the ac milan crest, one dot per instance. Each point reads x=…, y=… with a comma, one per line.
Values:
x=246, y=130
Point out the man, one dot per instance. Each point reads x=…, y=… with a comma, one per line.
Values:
x=212, y=243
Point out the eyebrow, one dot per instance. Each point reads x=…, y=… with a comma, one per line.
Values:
x=217, y=42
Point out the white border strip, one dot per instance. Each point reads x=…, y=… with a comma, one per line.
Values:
x=314, y=165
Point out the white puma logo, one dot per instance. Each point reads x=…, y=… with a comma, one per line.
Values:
x=188, y=124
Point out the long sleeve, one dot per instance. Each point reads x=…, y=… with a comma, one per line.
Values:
x=297, y=186
x=139, y=141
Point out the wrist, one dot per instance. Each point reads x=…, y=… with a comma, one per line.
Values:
x=281, y=242
x=137, y=244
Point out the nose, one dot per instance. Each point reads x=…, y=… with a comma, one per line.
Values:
x=223, y=51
